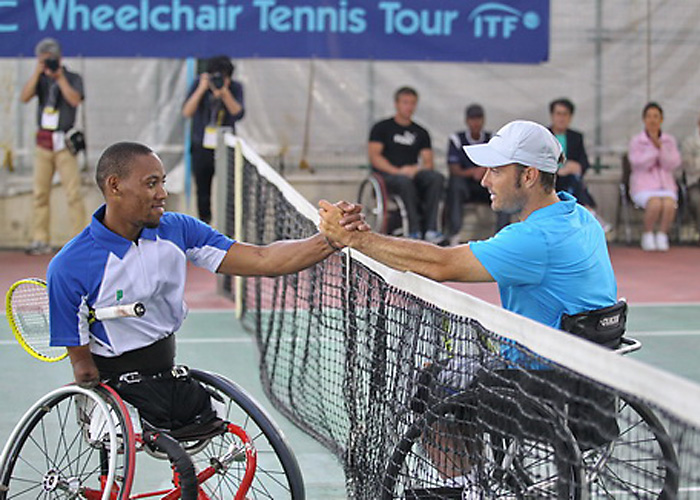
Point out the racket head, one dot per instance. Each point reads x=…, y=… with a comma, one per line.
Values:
x=27, y=307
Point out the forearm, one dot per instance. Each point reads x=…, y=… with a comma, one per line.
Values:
x=230, y=102
x=191, y=104
x=71, y=95
x=382, y=164
x=85, y=371
x=29, y=89
x=281, y=257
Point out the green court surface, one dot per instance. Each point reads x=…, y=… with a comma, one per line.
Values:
x=216, y=341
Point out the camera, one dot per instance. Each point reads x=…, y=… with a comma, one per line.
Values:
x=52, y=64
x=217, y=79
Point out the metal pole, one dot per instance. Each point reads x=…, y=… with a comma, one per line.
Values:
x=648, y=50
x=598, y=134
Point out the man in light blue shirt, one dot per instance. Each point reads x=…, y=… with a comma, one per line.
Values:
x=553, y=261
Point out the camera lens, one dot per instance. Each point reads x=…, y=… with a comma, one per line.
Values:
x=51, y=64
x=217, y=80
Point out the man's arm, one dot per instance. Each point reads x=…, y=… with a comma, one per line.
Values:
x=232, y=105
x=378, y=160
x=281, y=257
x=72, y=96
x=29, y=89
x=441, y=264
x=426, y=158
x=192, y=102
x=85, y=371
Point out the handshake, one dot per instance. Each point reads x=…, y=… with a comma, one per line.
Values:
x=341, y=223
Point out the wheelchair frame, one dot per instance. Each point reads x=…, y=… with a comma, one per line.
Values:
x=93, y=455
x=508, y=460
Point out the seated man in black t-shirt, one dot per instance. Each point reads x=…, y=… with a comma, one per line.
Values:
x=401, y=152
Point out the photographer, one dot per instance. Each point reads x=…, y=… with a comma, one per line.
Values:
x=59, y=92
x=214, y=101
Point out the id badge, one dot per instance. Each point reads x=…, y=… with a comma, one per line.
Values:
x=59, y=141
x=49, y=119
x=209, y=141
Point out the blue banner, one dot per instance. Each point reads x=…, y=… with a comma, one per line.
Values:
x=433, y=30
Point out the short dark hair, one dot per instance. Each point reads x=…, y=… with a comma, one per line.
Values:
x=651, y=105
x=562, y=101
x=405, y=91
x=547, y=179
x=117, y=159
x=474, y=111
x=220, y=64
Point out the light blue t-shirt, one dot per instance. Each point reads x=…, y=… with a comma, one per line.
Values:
x=554, y=262
x=99, y=268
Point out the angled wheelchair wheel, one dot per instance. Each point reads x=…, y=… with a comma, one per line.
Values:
x=72, y=443
x=373, y=197
x=516, y=449
x=277, y=474
x=639, y=463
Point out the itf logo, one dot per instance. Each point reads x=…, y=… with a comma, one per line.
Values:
x=4, y=27
x=495, y=20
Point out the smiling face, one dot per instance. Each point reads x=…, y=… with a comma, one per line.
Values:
x=508, y=195
x=136, y=199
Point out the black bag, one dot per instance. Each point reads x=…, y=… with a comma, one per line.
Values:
x=75, y=141
x=602, y=326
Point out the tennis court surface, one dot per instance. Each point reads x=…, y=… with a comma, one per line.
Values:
x=341, y=348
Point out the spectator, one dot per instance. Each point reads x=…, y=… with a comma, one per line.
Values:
x=214, y=100
x=401, y=151
x=653, y=157
x=59, y=93
x=691, y=167
x=570, y=176
x=464, y=185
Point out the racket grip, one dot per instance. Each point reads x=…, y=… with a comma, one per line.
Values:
x=135, y=310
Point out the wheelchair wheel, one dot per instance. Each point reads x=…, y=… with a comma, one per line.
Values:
x=372, y=196
x=277, y=474
x=640, y=463
x=72, y=443
x=497, y=455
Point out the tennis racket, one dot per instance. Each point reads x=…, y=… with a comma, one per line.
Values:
x=27, y=307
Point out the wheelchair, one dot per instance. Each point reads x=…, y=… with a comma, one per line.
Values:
x=385, y=213
x=82, y=443
x=513, y=436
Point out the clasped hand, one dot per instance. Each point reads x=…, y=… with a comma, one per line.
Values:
x=341, y=222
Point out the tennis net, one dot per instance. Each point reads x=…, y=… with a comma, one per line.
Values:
x=422, y=391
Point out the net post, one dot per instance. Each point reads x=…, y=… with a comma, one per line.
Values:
x=238, y=220
x=221, y=203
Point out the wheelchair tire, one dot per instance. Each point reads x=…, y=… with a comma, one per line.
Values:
x=373, y=197
x=71, y=443
x=641, y=462
x=277, y=473
x=505, y=465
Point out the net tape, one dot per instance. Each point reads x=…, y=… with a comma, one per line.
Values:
x=425, y=392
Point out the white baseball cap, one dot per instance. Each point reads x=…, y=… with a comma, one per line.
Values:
x=524, y=142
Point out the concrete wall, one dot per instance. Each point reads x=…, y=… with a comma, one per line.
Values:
x=16, y=203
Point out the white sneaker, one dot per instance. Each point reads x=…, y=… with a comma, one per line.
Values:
x=662, y=242
x=648, y=242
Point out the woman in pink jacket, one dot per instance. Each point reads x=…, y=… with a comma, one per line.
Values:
x=654, y=156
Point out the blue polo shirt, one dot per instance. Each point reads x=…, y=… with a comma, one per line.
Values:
x=99, y=268
x=554, y=262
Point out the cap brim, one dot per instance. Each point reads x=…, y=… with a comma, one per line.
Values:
x=484, y=155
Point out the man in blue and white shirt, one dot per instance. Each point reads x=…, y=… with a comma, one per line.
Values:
x=133, y=251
